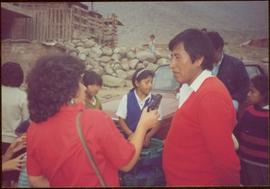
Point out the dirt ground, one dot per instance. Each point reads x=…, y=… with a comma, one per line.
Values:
x=106, y=93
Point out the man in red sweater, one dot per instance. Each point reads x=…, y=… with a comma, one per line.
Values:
x=199, y=149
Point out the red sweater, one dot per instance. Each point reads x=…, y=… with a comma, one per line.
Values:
x=199, y=150
x=54, y=149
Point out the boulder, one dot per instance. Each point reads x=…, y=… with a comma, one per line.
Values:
x=163, y=61
x=82, y=56
x=110, y=81
x=97, y=51
x=131, y=55
x=116, y=56
x=145, y=55
x=139, y=65
x=107, y=51
x=121, y=74
x=89, y=43
x=73, y=53
x=108, y=69
x=99, y=70
x=133, y=63
x=152, y=67
x=105, y=59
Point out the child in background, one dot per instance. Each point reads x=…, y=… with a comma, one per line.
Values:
x=93, y=83
x=253, y=134
x=132, y=104
x=14, y=110
x=23, y=177
x=151, y=44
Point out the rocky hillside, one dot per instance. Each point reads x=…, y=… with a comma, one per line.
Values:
x=236, y=21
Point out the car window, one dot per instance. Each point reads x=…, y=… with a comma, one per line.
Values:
x=164, y=79
x=253, y=70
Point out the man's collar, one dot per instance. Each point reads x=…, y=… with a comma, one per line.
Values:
x=195, y=85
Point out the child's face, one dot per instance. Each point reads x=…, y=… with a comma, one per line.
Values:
x=92, y=90
x=254, y=96
x=145, y=85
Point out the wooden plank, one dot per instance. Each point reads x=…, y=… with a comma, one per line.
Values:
x=42, y=25
x=54, y=24
x=65, y=24
x=59, y=24
x=70, y=24
x=49, y=24
x=38, y=25
x=46, y=24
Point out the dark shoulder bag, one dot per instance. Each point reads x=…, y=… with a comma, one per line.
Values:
x=88, y=153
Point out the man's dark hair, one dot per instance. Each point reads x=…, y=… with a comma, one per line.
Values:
x=261, y=83
x=141, y=74
x=11, y=74
x=53, y=82
x=196, y=44
x=216, y=40
x=92, y=78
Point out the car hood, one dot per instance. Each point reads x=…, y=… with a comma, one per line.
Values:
x=169, y=105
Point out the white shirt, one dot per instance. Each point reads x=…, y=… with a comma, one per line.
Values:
x=14, y=111
x=122, y=108
x=186, y=90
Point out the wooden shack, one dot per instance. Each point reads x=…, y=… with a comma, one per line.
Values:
x=64, y=21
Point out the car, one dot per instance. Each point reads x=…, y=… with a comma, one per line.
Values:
x=165, y=84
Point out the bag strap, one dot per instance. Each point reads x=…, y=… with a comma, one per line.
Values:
x=86, y=149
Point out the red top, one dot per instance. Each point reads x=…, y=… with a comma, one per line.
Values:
x=54, y=149
x=199, y=150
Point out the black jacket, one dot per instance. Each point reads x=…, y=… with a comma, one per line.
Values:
x=233, y=74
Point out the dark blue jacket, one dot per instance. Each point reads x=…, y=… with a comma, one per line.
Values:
x=233, y=74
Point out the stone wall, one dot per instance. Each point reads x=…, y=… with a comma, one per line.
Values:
x=116, y=66
x=25, y=53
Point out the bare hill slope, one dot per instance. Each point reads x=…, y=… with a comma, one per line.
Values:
x=236, y=21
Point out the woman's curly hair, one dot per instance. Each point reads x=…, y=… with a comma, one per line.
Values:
x=53, y=82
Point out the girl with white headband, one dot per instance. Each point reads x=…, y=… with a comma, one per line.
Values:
x=132, y=104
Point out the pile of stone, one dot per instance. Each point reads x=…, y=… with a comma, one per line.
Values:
x=116, y=66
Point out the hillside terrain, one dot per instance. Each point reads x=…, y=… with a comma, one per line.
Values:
x=236, y=21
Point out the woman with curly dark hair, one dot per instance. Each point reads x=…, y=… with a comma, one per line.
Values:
x=55, y=155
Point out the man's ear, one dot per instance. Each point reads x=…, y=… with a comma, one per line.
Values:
x=198, y=62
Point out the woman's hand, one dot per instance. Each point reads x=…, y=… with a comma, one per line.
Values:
x=149, y=119
x=14, y=164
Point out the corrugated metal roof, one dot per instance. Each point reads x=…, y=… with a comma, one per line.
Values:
x=16, y=10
